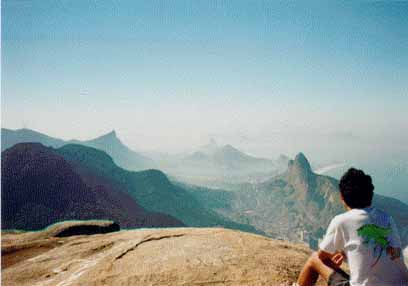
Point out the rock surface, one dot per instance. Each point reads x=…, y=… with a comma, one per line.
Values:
x=173, y=256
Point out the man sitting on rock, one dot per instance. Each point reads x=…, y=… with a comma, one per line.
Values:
x=364, y=235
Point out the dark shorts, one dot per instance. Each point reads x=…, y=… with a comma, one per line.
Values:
x=339, y=278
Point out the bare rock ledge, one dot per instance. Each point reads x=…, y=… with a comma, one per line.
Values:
x=166, y=256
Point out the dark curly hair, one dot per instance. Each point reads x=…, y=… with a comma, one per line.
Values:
x=356, y=189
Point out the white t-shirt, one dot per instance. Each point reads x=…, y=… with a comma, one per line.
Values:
x=364, y=236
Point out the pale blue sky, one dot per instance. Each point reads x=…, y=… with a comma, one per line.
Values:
x=270, y=77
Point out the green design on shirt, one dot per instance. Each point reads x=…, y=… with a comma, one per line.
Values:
x=377, y=235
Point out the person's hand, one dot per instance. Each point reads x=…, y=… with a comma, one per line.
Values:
x=393, y=252
x=338, y=259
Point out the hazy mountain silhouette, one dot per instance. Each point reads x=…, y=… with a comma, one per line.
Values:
x=121, y=154
x=213, y=165
x=10, y=138
x=229, y=158
x=110, y=143
x=40, y=187
x=209, y=148
x=151, y=188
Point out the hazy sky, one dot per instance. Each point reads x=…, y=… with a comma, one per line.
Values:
x=267, y=76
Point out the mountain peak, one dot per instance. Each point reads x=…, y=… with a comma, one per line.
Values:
x=300, y=164
x=111, y=134
x=301, y=160
x=229, y=149
x=300, y=175
x=108, y=137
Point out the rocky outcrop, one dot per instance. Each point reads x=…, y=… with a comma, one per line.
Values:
x=71, y=228
x=300, y=175
x=173, y=256
x=296, y=205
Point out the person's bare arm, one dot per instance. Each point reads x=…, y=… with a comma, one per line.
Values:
x=333, y=260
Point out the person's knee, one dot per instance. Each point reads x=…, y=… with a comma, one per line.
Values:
x=313, y=259
x=317, y=265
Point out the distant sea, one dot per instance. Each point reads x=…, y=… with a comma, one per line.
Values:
x=389, y=178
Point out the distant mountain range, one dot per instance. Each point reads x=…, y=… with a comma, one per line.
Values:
x=294, y=205
x=42, y=185
x=10, y=138
x=230, y=158
x=212, y=165
x=109, y=143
